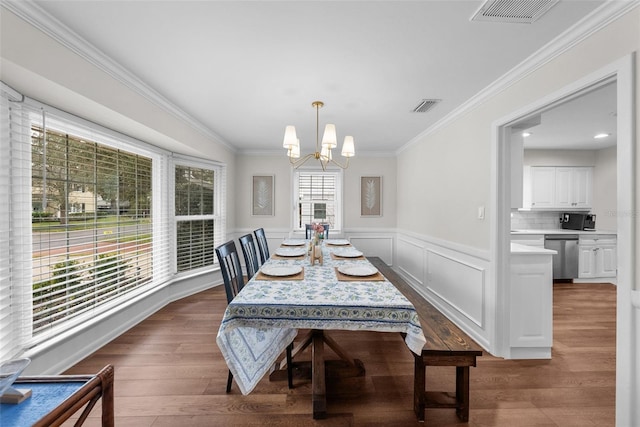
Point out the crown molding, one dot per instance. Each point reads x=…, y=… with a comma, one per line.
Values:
x=282, y=153
x=592, y=23
x=33, y=14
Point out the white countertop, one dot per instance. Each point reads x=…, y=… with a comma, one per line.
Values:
x=519, y=249
x=560, y=231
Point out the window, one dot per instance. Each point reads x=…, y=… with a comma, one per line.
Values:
x=318, y=198
x=85, y=254
x=88, y=220
x=195, y=191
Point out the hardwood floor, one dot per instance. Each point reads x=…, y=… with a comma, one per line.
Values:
x=169, y=372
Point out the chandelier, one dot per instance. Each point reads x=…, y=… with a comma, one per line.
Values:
x=323, y=151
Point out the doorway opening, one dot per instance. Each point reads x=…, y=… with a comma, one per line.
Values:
x=622, y=73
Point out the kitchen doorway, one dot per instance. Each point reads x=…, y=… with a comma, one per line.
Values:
x=622, y=73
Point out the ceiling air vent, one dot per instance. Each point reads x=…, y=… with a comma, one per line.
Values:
x=518, y=11
x=425, y=105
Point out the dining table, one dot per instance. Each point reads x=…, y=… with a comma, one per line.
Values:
x=293, y=290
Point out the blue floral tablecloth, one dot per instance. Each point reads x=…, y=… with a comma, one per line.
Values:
x=264, y=317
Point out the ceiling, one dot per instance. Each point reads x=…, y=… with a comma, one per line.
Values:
x=247, y=69
x=573, y=124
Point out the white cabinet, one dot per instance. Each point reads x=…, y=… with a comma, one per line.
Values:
x=543, y=184
x=573, y=187
x=561, y=187
x=531, y=304
x=598, y=256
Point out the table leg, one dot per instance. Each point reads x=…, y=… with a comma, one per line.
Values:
x=462, y=392
x=419, y=379
x=319, y=397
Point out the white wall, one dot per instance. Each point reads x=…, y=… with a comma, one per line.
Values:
x=605, y=189
x=374, y=236
x=559, y=157
x=279, y=166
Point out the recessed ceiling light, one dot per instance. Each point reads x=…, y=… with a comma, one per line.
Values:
x=601, y=135
x=526, y=134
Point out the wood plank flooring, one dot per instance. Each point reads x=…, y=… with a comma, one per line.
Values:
x=169, y=372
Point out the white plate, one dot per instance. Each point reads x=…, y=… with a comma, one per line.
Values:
x=348, y=253
x=338, y=242
x=358, y=270
x=294, y=242
x=281, y=270
x=295, y=251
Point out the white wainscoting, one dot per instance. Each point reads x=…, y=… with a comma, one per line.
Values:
x=374, y=245
x=458, y=283
x=454, y=278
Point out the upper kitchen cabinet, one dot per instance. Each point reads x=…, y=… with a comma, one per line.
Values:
x=543, y=187
x=574, y=187
x=561, y=188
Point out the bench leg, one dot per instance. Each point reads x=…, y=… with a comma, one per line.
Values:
x=419, y=387
x=462, y=392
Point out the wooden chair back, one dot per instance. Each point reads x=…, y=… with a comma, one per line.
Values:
x=231, y=269
x=263, y=246
x=250, y=255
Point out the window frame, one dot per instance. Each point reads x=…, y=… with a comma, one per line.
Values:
x=218, y=217
x=339, y=205
x=53, y=119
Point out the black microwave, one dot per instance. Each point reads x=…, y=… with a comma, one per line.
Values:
x=578, y=221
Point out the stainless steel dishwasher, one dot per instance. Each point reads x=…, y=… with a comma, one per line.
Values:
x=565, y=261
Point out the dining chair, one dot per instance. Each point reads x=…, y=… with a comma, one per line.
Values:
x=232, y=276
x=250, y=255
x=308, y=231
x=263, y=246
x=233, y=283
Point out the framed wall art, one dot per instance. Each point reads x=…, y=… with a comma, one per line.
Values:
x=371, y=196
x=262, y=189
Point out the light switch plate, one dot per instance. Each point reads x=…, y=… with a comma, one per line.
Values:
x=480, y=212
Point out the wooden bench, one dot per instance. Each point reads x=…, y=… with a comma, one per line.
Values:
x=446, y=345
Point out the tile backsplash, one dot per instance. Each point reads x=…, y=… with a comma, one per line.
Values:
x=534, y=220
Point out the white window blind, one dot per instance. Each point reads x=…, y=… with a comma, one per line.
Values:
x=92, y=222
x=15, y=226
x=199, y=202
x=318, y=198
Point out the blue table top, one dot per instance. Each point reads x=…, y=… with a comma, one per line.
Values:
x=45, y=397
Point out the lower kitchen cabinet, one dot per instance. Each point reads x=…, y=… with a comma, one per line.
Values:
x=531, y=303
x=598, y=256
